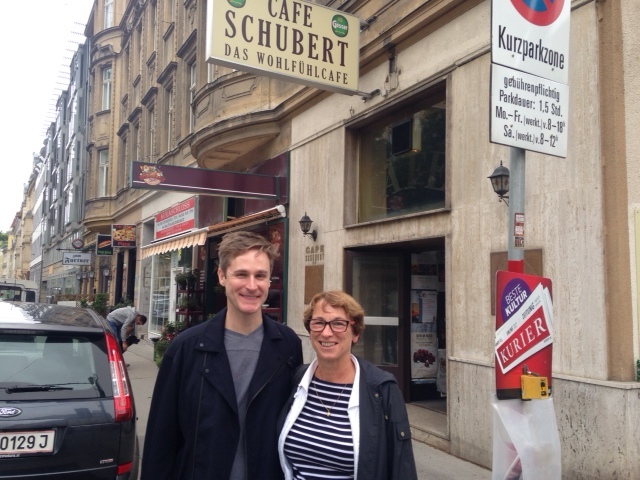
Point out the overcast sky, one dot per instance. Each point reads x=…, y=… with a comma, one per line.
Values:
x=38, y=42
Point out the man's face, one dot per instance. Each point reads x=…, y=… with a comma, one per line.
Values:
x=246, y=282
x=138, y=321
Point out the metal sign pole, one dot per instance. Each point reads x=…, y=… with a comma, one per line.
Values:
x=515, y=253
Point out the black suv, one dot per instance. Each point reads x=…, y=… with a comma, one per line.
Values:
x=66, y=405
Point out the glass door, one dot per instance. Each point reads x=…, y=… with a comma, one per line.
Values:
x=160, y=292
x=375, y=280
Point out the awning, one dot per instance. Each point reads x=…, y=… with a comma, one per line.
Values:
x=252, y=219
x=184, y=240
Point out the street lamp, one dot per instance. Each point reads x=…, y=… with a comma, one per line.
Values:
x=106, y=272
x=500, y=182
x=305, y=226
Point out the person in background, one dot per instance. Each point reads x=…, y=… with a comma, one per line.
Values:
x=221, y=384
x=346, y=419
x=123, y=321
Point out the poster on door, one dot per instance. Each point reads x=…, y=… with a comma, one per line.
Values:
x=424, y=308
x=427, y=271
x=424, y=352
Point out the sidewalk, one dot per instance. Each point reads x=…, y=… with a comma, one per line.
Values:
x=432, y=464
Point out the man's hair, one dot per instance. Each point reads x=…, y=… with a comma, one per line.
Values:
x=143, y=319
x=337, y=299
x=237, y=243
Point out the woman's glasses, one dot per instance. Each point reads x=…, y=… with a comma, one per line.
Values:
x=338, y=325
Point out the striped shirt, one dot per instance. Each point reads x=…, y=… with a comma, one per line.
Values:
x=320, y=444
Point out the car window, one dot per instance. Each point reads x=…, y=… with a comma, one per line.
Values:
x=48, y=365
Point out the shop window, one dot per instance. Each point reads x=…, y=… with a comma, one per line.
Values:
x=402, y=161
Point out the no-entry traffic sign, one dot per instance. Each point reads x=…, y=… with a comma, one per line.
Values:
x=539, y=12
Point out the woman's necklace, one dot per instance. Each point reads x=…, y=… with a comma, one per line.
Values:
x=315, y=389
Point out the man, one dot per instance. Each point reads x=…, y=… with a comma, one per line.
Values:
x=221, y=384
x=123, y=321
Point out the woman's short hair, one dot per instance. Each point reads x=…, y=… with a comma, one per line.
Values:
x=337, y=299
x=237, y=243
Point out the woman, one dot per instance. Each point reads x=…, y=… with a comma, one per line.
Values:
x=346, y=419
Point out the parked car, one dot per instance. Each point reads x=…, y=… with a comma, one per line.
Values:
x=66, y=405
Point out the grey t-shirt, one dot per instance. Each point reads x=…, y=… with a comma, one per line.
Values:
x=243, y=352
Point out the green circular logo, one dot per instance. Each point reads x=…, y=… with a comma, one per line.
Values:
x=237, y=3
x=340, y=25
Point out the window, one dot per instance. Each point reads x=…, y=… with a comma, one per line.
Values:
x=103, y=166
x=69, y=169
x=122, y=163
x=68, y=201
x=52, y=223
x=154, y=25
x=402, y=161
x=106, y=88
x=169, y=117
x=192, y=97
x=77, y=157
x=152, y=132
x=136, y=142
x=51, y=358
x=108, y=13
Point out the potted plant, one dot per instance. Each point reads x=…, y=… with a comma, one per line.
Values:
x=192, y=277
x=192, y=304
x=169, y=329
x=180, y=327
x=160, y=344
x=183, y=303
x=100, y=304
x=181, y=280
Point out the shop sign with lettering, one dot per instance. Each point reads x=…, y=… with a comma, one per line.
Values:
x=297, y=41
x=76, y=258
x=176, y=219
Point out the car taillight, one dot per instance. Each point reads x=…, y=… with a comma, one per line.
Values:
x=124, y=468
x=121, y=394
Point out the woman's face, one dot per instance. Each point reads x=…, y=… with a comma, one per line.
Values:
x=329, y=345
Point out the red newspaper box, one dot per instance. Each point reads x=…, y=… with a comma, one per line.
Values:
x=524, y=331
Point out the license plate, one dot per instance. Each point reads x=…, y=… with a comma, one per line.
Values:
x=40, y=441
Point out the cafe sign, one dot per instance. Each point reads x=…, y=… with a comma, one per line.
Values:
x=297, y=41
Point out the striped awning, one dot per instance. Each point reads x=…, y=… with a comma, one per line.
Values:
x=252, y=219
x=184, y=240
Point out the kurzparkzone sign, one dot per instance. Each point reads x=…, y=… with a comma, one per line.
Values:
x=297, y=41
x=529, y=112
x=532, y=36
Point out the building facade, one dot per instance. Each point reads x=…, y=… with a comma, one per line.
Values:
x=58, y=191
x=395, y=180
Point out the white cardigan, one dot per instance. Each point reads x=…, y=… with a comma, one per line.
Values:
x=300, y=398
